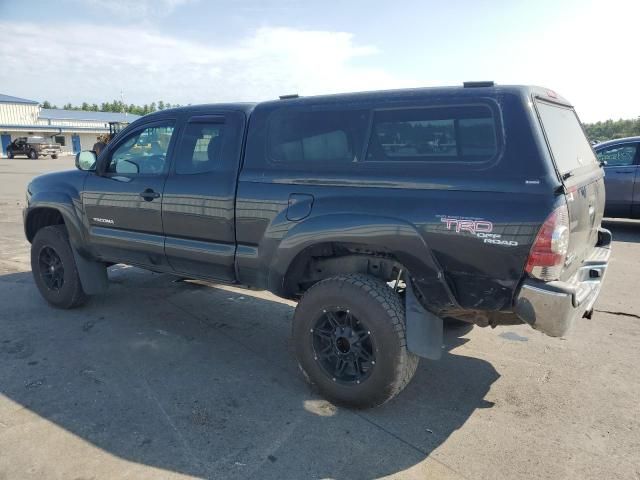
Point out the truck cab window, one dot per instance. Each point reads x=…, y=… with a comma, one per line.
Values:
x=143, y=153
x=200, y=149
x=316, y=138
x=447, y=134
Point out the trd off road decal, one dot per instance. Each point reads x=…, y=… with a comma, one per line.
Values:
x=477, y=227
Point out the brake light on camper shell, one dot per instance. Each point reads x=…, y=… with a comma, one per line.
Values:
x=549, y=250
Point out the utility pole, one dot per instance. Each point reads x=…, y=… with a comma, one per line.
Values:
x=124, y=110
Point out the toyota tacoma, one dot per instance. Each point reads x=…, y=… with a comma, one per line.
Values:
x=381, y=213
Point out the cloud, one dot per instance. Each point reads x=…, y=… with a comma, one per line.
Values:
x=134, y=10
x=93, y=63
x=587, y=55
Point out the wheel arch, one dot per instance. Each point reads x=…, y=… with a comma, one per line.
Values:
x=325, y=259
x=347, y=243
x=39, y=218
x=52, y=209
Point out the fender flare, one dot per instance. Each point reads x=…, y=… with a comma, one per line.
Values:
x=64, y=204
x=93, y=274
x=396, y=236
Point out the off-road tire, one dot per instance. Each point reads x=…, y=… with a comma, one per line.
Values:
x=70, y=294
x=382, y=311
x=33, y=155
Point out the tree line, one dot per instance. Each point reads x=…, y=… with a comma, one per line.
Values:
x=598, y=131
x=115, y=106
x=612, y=129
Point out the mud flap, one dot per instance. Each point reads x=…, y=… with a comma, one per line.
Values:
x=93, y=275
x=424, y=329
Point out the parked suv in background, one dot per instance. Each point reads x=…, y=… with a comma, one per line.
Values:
x=622, y=178
x=33, y=147
x=383, y=213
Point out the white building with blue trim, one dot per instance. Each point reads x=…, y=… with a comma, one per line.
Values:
x=75, y=130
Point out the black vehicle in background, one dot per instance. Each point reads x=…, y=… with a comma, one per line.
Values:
x=33, y=147
x=382, y=213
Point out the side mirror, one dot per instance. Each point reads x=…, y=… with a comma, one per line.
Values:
x=86, y=160
x=603, y=163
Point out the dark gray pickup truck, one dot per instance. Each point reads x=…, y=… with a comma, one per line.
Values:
x=33, y=147
x=383, y=213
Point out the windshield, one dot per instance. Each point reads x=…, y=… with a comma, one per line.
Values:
x=569, y=145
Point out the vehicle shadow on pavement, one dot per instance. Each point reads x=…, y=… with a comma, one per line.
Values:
x=201, y=380
x=623, y=230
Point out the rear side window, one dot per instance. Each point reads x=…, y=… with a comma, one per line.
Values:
x=315, y=137
x=567, y=141
x=200, y=150
x=619, y=155
x=444, y=134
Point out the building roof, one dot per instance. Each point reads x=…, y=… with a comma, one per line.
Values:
x=86, y=115
x=9, y=99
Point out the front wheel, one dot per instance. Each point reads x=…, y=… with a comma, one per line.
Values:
x=54, y=268
x=54, y=156
x=33, y=155
x=349, y=336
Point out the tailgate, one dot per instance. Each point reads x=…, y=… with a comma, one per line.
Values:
x=581, y=175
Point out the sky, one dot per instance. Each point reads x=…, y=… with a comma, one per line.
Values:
x=205, y=51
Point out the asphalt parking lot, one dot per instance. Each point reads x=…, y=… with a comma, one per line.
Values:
x=165, y=379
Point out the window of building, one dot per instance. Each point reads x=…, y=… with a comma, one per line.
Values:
x=200, y=150
x=447, y=134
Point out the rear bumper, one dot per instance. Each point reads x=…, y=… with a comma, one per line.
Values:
x=551, y=307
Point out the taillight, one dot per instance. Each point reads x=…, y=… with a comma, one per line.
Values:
x=549, y=250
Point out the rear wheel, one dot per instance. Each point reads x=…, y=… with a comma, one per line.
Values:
x=54, y=156
x=33, y=154
x=54, y=268
x=349, y=335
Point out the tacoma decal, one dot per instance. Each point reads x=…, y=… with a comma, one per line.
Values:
x=103, y=220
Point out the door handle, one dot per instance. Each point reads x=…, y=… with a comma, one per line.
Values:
x=149, y=194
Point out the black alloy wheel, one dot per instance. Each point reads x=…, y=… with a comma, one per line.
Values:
x=349, y=338
x=54, y=268
x=343, y=346
x=51, y=268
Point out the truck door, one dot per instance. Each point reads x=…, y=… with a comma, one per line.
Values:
x=5, y=141
x=620, y=173
x=198, y=210
x=635, y=203
x=75, y=142
x=123, y=203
